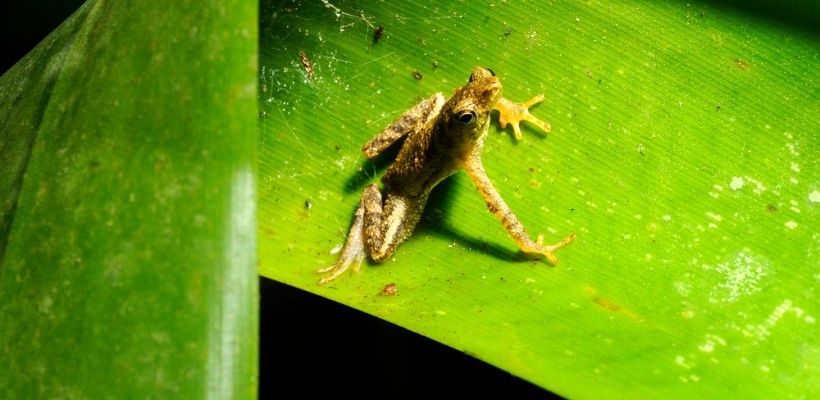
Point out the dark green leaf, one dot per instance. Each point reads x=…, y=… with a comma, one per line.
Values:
x=128, y=225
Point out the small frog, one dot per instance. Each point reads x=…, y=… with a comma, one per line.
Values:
x=442, y=138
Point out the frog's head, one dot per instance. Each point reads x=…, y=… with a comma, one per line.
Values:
x=472, y=103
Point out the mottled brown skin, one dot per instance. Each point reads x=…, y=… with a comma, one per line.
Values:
x=442, y=138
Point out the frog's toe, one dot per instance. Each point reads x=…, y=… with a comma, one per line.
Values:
x=337, y=269
x=513, y=113
x=535, y=100
x=548, y=251
x=325, y=269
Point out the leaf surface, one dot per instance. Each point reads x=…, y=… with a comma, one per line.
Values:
x=682, y=153
x=127, y=266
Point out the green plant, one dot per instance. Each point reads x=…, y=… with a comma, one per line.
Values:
x=681, y=154
x=127, y=244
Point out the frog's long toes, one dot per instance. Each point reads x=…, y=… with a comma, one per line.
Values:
x=545, y=126
x=548, y=251
x=336, y=271
x=325, y=269
x=517, y=130
x=535, y=100
x=346, y=261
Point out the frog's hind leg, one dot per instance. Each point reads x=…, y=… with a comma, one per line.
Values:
x=378, y=230
x=353, y=251
x=388, y=226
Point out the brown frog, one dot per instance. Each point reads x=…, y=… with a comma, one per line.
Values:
x=442, y=138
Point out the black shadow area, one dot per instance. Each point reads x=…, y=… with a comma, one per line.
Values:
x=312, y=347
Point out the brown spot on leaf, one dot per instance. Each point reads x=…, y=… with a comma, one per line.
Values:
x=742, y=64
x=389, y=290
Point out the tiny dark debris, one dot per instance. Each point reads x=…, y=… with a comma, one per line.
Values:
x=378, y=34
x=417, y=75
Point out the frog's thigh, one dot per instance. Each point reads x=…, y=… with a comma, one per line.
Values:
x=388, y=226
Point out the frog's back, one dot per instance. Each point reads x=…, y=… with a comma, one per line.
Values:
x=420, y=165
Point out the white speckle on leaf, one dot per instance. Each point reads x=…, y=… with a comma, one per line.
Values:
x=792, y=150
x=682, y=288
x=795, y=167
x=714, y=216
x=737, y=183
x=709, y=343
x=741, y=277
x=814, y=196
x=791, y=224
x=762, y=331
x=759, y=188
x=680, y=360
x=44, y=306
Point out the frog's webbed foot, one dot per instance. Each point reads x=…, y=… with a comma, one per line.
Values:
x=513, y=113
x=548, y=251
x=352, y=253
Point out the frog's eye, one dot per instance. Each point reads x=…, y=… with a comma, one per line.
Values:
x=466, y=117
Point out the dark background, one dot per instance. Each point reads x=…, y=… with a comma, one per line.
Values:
x=310, y=342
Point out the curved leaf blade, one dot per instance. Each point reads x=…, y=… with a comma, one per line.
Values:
x=130, y=252
x=681, y=154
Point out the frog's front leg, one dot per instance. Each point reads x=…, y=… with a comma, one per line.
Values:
x=513, y=113
x=378, y=230
x=514, y=228
x=412, y=120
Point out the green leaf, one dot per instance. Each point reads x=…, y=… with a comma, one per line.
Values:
x=683, y=154
x=127, y=266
